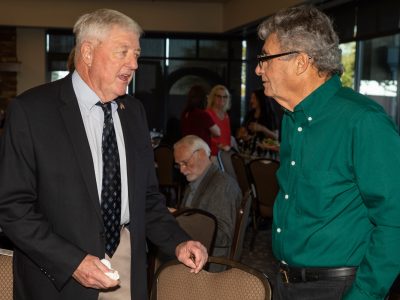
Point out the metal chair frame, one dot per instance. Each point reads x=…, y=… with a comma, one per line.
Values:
x=242, y=217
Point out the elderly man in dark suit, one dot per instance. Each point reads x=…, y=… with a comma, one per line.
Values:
x=77, y=179
x=209, y=189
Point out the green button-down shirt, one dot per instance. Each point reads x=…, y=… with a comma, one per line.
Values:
x=339, y=198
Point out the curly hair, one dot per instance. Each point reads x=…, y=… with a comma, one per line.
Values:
x=306, y=29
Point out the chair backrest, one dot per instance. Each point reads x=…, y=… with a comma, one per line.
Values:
x=239, y=165
x=174, y=281
x=164, y=158
x=6, y=275
x=225, y=162
x=199, y=224
x=242, y=217
x=234, y=144
x=263, y=176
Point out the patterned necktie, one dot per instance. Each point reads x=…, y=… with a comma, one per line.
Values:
x=111, y=185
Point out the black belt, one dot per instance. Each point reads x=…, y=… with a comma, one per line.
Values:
x=295, y=275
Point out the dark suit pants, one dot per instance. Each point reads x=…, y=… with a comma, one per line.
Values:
x=332, y=289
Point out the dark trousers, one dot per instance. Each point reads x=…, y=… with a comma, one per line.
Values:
x=332, y=289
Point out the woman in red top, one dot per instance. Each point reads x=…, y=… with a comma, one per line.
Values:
x=219, y=101
x=195, y=120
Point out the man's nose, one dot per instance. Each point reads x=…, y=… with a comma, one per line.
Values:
x=132, y=62
x=182, y=167
x=258, y=70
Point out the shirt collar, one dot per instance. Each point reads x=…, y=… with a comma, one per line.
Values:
x=85, y=95
x=311, y=106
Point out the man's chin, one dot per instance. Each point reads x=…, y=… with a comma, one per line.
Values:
x=266, y=93
x=189, y=178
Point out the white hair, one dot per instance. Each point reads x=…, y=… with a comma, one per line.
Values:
x=194, y=142
x=96, y=25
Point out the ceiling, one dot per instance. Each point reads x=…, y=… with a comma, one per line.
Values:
x=216, y=1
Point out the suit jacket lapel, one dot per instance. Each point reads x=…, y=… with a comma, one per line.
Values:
x=74, y=124
x=128, y=132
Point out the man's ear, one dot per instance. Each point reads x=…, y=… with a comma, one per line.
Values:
x=302, y=63
x=87, y=53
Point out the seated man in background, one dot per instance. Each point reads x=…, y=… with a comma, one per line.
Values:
x=209, y=189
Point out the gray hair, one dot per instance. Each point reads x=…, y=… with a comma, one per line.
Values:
x=213, y=92
x=194, y=142
x=305, y=28
x=96, y=25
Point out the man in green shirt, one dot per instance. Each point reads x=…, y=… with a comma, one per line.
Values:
x=336, y=227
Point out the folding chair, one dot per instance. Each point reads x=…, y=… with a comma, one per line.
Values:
x=242, y=217
x=239, y=166
x=6, y=275
x=225, y=162
x=199, y=224
x=164, y=159
x=174, y=281
x=263, y=178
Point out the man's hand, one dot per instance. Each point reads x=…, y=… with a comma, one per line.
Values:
x=193, y=254
x=91, y=273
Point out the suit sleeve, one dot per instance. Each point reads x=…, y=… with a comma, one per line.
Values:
x=21, y=215
x=161, y=227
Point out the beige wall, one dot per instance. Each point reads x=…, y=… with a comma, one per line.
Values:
x=31, y=54
x=183, y=16
x=240, y=12
x=155, y=16
x=31, y=15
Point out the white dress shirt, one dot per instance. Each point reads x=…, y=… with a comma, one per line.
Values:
x=93, y=120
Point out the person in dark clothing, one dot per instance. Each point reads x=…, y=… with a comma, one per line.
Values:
x=259, y=123
x=65, y=205
x=194, y=119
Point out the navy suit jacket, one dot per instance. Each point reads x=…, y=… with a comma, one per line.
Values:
x=49, y=205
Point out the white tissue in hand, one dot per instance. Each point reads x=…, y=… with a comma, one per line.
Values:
x=106, y=263
x=112, y=275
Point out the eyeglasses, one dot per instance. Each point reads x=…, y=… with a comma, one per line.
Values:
x=264, y=57
x=221, y=96
x=185, y=163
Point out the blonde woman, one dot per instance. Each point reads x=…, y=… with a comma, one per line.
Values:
x=219, y=101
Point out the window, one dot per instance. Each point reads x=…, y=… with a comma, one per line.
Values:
x=379, y=71
x=348, y=61
x=58, y=46
x=182, y=48
x=213, y=49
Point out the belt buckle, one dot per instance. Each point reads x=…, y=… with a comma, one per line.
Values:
x=284, y=276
